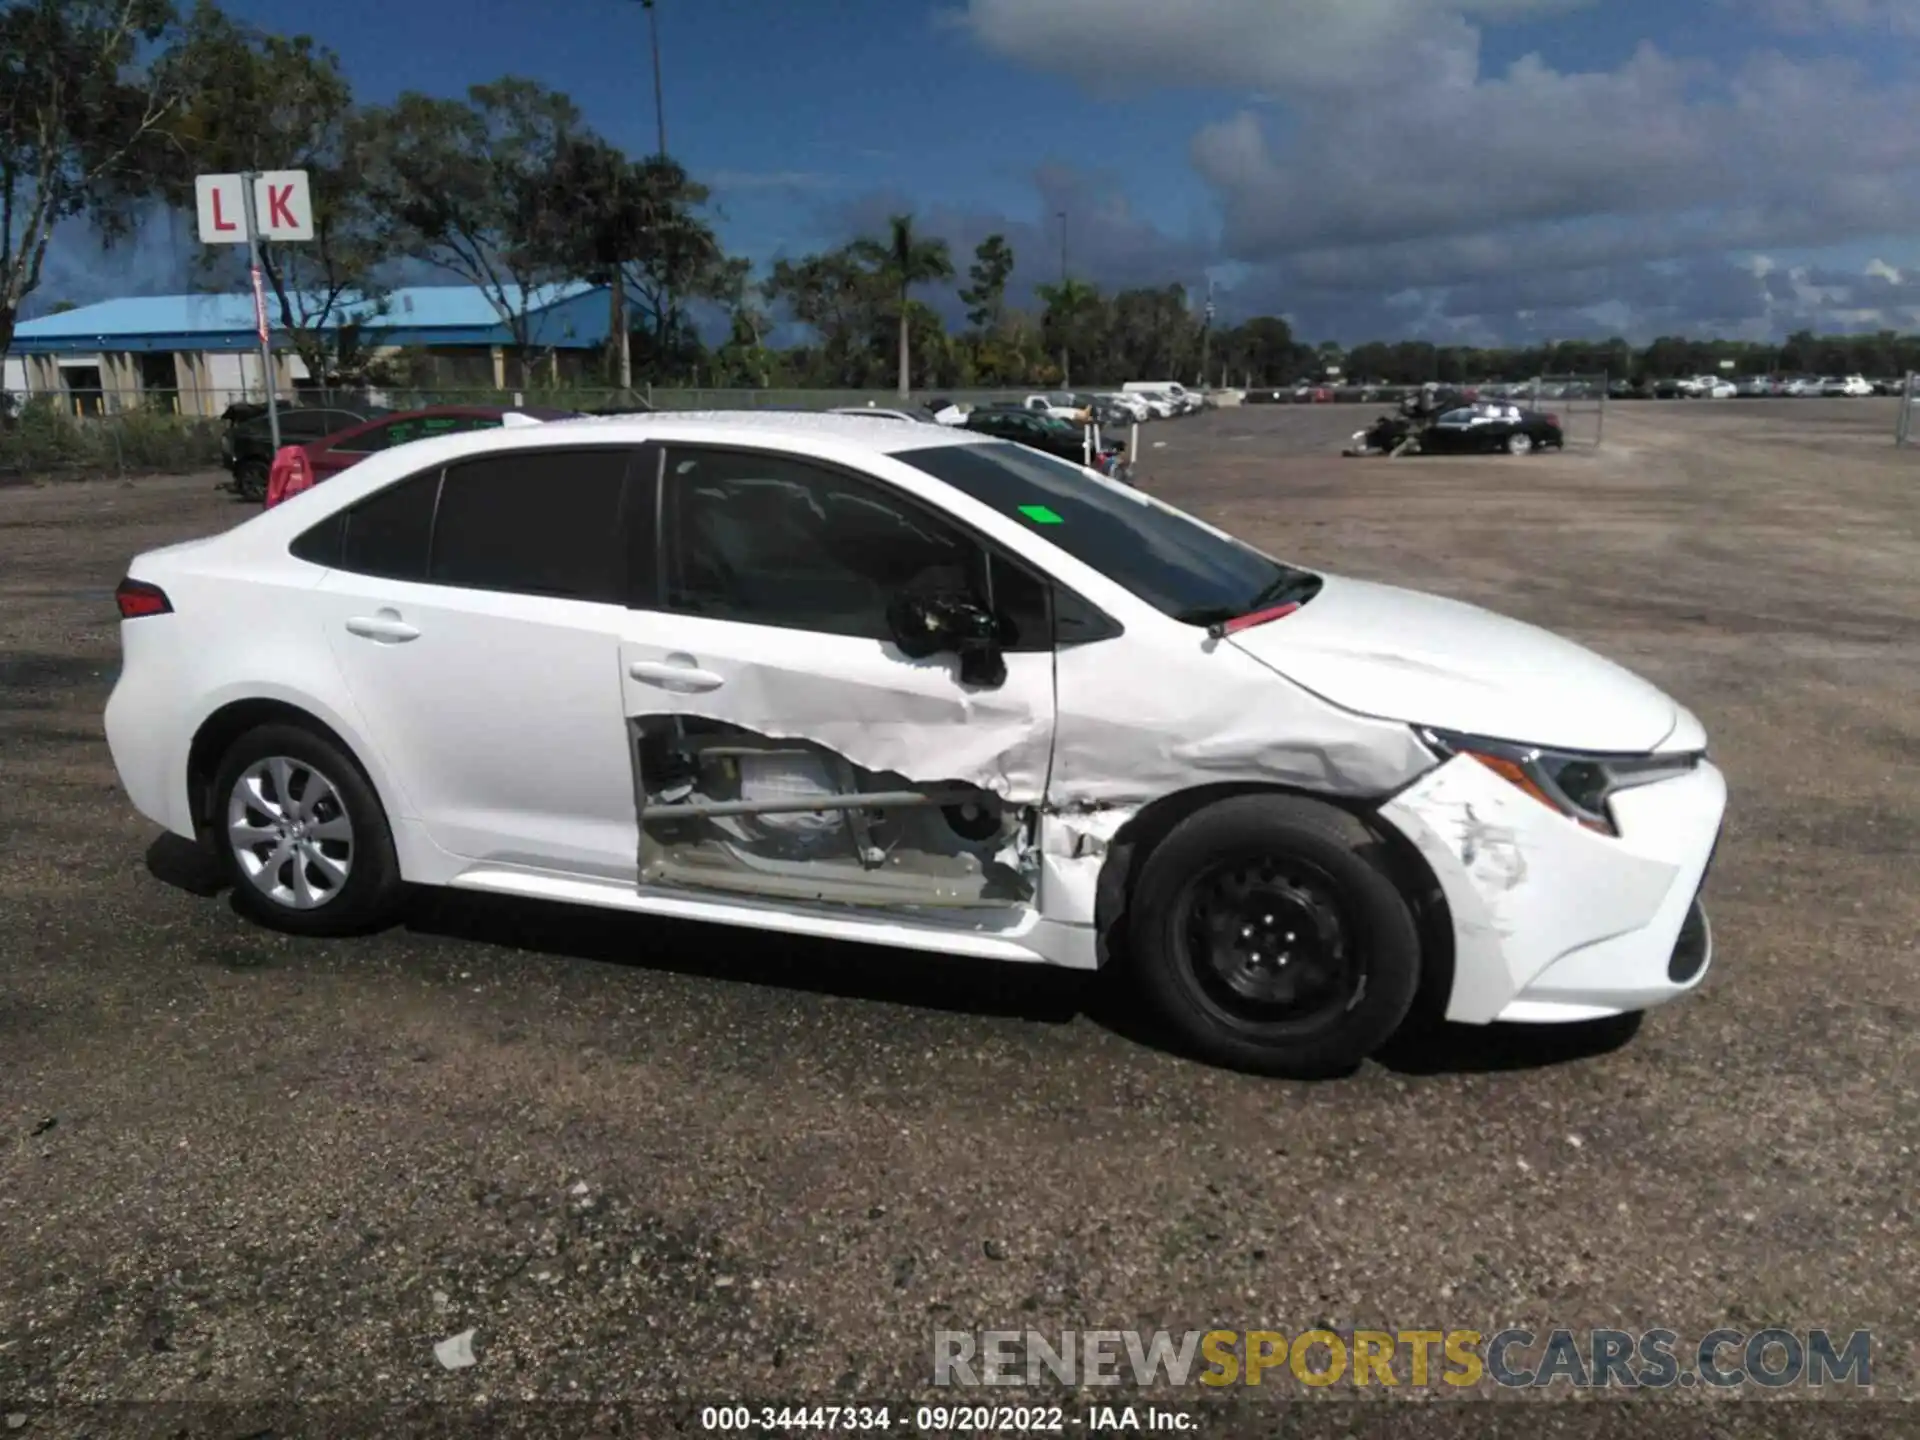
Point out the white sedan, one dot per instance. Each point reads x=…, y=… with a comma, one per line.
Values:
x=906, y=685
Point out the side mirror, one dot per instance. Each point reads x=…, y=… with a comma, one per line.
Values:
x=950, y=623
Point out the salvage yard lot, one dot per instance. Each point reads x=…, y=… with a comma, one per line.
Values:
x=645, y=1160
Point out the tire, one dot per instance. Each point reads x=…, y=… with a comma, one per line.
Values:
x=348, y=829
x=250, y=480
x=1519, y=443
x=1219, y=871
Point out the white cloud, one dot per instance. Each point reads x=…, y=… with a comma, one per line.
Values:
x=1395, y=157
x=1813, y=17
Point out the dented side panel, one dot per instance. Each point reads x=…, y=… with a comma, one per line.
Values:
x=1136, y=723
x=857, y=698
x=1525, y=884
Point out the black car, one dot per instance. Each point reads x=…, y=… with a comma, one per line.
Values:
x=1484, y=429
x=246, y=450
x=1044, y=433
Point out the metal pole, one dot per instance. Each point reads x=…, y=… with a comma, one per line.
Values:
x=662, y=341
x=266, y=348
x=1066, y=380
x=1206, y=335
x=1606, y=389
x=659, y=101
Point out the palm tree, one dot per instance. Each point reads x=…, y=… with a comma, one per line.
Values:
x=906, y=260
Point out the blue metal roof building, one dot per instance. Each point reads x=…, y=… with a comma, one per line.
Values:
x=563, y=317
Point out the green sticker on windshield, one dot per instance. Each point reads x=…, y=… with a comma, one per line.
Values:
x=1041, y=515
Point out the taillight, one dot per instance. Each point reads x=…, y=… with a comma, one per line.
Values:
x=137, y=598
x=292, y=472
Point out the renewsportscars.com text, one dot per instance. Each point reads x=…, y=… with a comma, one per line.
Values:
x=1654, y=1359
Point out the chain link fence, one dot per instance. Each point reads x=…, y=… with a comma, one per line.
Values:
x=74, y=434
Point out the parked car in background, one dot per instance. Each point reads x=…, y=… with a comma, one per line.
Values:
x=877, y=412
x=1892, y=385
x=1059, y=438
x=612, y=662
x=246, y=448
x=1181, y=401
x=1847, y=385
x=1801, y=386
x=1492, y=428
x=1060, y=404
x=1135, y=406
x=298, y=467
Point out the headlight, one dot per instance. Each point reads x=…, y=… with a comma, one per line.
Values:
x=1576, y=783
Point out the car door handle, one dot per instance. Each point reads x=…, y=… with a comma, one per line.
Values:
x=688, y=678
x=386, y=627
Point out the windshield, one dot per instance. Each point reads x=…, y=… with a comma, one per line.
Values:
x=1170, y=560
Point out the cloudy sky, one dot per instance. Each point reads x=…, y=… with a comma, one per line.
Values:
x=1470, y=170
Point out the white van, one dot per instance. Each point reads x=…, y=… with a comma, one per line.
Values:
x=1183, y=400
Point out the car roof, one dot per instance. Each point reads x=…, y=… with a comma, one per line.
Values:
x=720, y=426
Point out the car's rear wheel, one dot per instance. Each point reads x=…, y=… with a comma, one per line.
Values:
x=1267, y=936
x=250, y=480
x=302, y=834
x=1519, y=443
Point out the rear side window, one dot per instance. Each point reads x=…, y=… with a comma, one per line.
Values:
x=534, y=522
x=387, y=533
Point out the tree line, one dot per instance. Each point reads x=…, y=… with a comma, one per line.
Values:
x=108, y=106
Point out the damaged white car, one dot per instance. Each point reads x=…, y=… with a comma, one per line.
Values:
x=910, y=686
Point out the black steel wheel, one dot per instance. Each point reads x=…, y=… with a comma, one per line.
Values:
x=1267, y=933
x=1267, y=940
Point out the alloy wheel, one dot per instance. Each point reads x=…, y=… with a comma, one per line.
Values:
x=290, y=833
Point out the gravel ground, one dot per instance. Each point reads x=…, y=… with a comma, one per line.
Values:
x=646, y=1162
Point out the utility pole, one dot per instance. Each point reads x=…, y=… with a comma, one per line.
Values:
x=1206, y=335
x=250, y=209
x=1066, y=314
x=622, y=324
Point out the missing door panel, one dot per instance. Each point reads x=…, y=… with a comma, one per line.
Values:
x=726, y=808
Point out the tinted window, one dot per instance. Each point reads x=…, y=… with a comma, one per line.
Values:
x=772, y=540
x=418, y=427
x=536, y=522
x=313, y=424
x=387, y=533
x=322, y=544
x=1168, y=559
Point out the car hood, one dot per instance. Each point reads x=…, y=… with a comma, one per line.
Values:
x=1403, y=655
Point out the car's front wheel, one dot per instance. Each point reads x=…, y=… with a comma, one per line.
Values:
x=1266, y=934
x=302, y=834
x=1519, y=443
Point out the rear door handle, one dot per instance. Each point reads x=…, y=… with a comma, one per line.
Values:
x=386, y=627
x=689, y=679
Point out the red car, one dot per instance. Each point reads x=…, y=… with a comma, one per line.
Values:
x=298, y=467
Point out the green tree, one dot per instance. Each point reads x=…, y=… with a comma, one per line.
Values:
x=986, y=296
x=1074, y=323
x=838, y=297
x=905, y=260
x=469, y=184
x=261, y=101
x=86, y=96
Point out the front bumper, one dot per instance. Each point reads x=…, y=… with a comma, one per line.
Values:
x=1553, y=922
